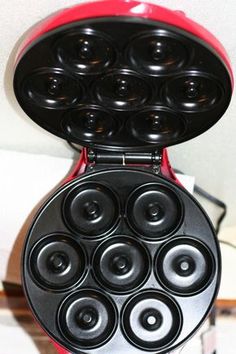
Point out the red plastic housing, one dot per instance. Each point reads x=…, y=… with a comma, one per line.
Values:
x=123, y=8
x=126, y=8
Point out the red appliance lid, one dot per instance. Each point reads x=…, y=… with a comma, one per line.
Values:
x=122, y=83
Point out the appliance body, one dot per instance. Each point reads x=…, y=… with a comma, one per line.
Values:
x=121, y=258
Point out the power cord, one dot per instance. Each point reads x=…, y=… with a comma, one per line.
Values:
x=198, y=190
x=227, y=243
x=219, y=203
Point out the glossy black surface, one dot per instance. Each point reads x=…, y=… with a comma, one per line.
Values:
x=154, y=211
x=121, y=264
x=151, y=320
x=57, y=262
x=87, y=318
x=133, y=292
x=184, y=266
x=122, y=84
x=85, y=52
x=158, y=52
x=91, y=210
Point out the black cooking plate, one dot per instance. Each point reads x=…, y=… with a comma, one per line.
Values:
x=121, y=261
x=122, y=84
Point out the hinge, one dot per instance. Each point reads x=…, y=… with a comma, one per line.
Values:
x=151, y=159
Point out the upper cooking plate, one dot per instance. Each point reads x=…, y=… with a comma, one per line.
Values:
x=122, y=83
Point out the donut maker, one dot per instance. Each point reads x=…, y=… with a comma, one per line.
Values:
x=121, y=258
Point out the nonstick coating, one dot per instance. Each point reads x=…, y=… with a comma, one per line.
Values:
x=123, y=311
x=122, y=83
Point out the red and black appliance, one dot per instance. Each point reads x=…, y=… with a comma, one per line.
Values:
x=122, y=259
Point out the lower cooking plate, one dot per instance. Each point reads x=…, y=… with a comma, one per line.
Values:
x=121, y=261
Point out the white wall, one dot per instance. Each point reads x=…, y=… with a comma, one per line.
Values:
x=211, y=157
